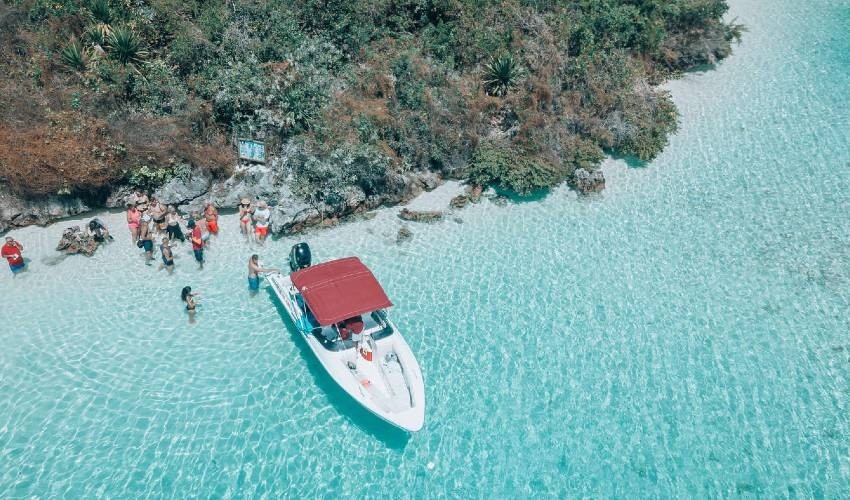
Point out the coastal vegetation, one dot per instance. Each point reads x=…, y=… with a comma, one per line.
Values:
x=513, y=93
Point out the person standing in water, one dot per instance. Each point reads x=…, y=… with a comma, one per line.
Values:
x=146, y=238
x=211, y=214
x=167, y=255
x=253, y=272
x=157, y=212
x=245, y=212
x=197, y=243
x=188, y=298
x=12, y=252
x=172, y=220
x=134, y=217
x=261, y=220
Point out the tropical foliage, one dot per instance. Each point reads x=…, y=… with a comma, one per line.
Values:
x=516, y=93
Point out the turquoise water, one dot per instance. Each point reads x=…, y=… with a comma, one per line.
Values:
x=687, y=333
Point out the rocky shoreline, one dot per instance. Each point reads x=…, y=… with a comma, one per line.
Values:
x=290, y=214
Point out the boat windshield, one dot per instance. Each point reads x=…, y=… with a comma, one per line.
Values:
x=374, y=324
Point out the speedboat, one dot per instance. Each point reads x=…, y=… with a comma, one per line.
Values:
x=341, y=311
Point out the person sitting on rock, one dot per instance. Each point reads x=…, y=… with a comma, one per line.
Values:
x=98, y=230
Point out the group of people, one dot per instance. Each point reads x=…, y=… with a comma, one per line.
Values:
x=147, y=218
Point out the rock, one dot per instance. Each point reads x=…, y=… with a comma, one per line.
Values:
x=459, y=201
x=75, y=240
x=474, y=192
x=420, y=216
x=500, y=201
x=18, y=211
x=587, y=182
x=119, y=197
x=458, y=220
x=404, y=234
x=186, y=186
x=430, y=180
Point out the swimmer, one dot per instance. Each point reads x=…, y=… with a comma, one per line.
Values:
x=253, y=272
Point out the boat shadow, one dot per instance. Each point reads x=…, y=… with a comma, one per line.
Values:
x=393, y=437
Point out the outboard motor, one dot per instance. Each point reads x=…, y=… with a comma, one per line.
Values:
x=299, y=257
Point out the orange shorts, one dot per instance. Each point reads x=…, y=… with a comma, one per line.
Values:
x=262, y=231
x=212, y=226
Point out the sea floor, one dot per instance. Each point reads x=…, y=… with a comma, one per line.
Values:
x=685, y=333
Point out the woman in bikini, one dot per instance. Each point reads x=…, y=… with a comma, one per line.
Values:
x=245, y=212
x=211, y=214
x=134, y=217
x=189, y=299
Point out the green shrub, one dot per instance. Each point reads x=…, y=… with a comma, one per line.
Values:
x=498, y=165
x=125, y=47
x=501, y=75
x=74, y=56
x=100, y=10
x=149, y=178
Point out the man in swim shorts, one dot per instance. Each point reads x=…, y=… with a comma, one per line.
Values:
x=11, y=251
x=146, y=238
x=253, y=272
x=197, y=242
x=261, y=221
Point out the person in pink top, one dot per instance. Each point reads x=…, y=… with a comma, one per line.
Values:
x=134, y=217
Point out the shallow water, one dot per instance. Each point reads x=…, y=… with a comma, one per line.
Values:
x=685, y=333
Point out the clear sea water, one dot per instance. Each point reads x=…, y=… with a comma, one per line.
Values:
x=686, y=333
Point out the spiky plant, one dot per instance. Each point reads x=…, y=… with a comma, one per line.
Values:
x=98, y=33
x=501, y=75
x=100, y=10
x=74, y=55
x=125, y=47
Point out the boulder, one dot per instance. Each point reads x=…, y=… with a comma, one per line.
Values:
x=474, y=192
x=459, y=201
x=18, y=211
x=587, y=182
x=404, y=234
x=420, y=215
x=75, y=240
x=186, y=186
x=501, y=201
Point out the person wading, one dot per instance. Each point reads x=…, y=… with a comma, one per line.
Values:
x=253, y=272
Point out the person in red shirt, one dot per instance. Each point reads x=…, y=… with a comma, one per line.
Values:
x=197, y=242
x=11, y=251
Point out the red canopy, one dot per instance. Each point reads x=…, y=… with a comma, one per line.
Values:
x=339, y=289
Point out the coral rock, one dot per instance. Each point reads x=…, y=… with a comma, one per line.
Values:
x=420, y=216
x=75, y=240
x=588, y=182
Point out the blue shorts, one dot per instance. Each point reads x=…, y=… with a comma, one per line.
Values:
x=16, y=268
x=199, y=255
x=254, y=283
x=147, y=245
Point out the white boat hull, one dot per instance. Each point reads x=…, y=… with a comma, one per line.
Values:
x=390, y=385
